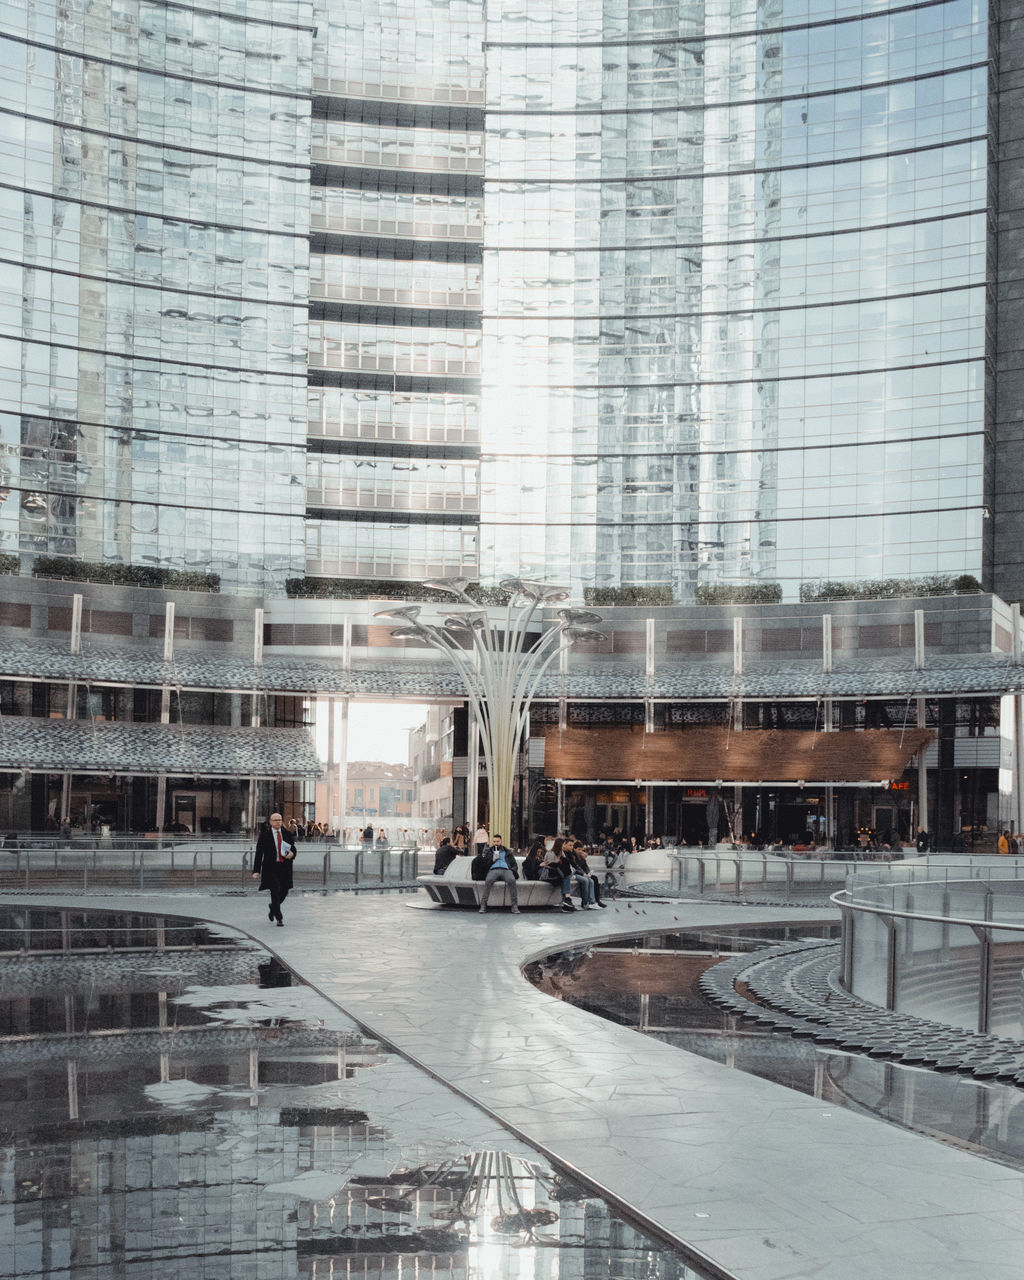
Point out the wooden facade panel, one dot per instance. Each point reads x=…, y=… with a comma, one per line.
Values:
x=750, y=755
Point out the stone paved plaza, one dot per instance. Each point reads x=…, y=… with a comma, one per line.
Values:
x=763, y=1182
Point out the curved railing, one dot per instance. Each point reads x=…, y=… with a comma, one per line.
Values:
x=738, y=872
x=950, y=948
x=225, y=863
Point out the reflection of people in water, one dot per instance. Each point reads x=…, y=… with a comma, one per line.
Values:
x=274, y=974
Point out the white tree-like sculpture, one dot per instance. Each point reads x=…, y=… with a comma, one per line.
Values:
x=501, y=669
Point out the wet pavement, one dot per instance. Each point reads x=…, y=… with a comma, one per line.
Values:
x=651, y=985
x=767, y=1183
x=175, y=1102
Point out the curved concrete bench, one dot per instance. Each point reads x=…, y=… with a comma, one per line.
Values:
x=457, y=888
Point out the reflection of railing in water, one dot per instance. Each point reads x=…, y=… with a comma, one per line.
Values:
x=191, y=866
x=61, y=930
x=946, y=949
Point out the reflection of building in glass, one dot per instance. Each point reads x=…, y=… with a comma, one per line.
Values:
x=642, y=297
x=155, y=217
x=671, y=298
x=395, y=290
x=735, y=293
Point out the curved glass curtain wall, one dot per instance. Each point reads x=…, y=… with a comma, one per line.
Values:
x=966, y=975
x=154, y=198
x=734, y=291
x=394, y=353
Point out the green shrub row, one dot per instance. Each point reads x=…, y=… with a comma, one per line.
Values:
x=938, y=584
x=635, y=596
x=748, y=593
x=123, y=575
x=8, y=564
x=639, y=596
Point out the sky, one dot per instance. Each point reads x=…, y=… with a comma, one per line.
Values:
x=380, y=730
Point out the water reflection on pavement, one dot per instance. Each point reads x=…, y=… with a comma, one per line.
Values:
x=175, y=1102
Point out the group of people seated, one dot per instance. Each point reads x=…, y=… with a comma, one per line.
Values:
x=561, y=861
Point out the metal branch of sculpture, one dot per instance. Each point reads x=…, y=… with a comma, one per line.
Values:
x=500, y=670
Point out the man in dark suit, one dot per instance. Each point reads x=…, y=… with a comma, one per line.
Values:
x=272, y=866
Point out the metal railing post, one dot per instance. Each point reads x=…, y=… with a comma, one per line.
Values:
x=848, y=919
x=984, y=937
x=890, y=960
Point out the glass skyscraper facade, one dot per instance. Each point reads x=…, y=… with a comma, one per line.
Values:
x=155, y=205
x=395, y=289
x=735, y=291
x=605, y=292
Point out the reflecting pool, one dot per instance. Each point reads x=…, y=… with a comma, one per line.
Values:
x=175, y=1103
x=650, y=983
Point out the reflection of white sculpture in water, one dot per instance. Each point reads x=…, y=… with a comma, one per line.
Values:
x=501, y=670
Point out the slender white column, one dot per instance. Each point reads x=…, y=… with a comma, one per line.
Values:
x=473, y=776
x=257, y=637
x=169, y=631
x=343, y=763
x=922, y=774
x=76, y=624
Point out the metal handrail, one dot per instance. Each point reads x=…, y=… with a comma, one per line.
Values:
x=395, y=865
x=789, y=874
x=895, y=913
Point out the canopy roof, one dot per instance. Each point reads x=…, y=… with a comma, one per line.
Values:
x=120, y=747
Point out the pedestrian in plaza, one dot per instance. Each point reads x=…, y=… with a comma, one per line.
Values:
x=589, y=885
x=531, y=867
x=504, y=868
x=272, y=866
x=444, y=857
x=579, y=874
x=557, y=870
x=480, y=839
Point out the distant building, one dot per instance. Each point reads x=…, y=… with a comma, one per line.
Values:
x=380, y=794
x=430, y=758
